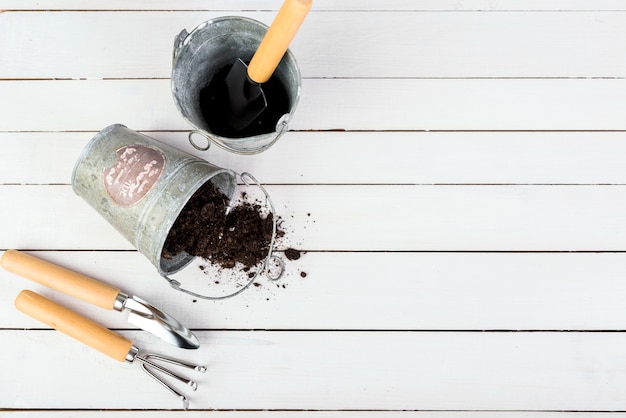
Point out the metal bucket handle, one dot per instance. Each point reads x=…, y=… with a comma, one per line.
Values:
x=249, y=180
x=281, y=127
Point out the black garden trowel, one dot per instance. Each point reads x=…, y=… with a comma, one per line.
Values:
x=244, y=83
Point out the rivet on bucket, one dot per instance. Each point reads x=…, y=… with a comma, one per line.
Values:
x=140, y=186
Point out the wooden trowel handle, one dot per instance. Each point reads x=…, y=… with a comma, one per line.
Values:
x=60, y=278
x=73, y=324
x=277, y=39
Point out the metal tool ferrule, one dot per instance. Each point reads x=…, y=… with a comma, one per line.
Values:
x=118, y=304
x=132, y=353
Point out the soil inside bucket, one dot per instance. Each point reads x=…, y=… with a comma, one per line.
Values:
x=214, y=105
x=205, y=229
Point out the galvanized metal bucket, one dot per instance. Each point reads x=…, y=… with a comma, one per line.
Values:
x=140, y=186
x=210, y=47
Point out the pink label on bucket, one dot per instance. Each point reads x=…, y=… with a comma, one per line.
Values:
x=134, y=174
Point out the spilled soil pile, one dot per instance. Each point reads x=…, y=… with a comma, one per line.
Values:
x=204, y=229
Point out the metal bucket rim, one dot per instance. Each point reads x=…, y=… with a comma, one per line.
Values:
x=190, y=35
x=192, y=191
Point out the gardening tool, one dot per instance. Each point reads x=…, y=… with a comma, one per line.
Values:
x=141, y=313
x=102, y=339
x=244, y=92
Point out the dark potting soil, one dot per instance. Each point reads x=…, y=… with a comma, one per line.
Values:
x=214, y=107
x=204, y=229
x=292, y=254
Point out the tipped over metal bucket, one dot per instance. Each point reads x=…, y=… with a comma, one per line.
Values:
x=140, y=186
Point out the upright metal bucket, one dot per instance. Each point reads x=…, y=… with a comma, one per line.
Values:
x=140, y=186
x=210, y=47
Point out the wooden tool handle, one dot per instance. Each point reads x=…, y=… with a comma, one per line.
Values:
x=73, y=324
x=277, y=39
x=59, y=278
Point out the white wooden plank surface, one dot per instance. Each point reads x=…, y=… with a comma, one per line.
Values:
x=354, y=45
x=374, y=157
x=347, y=5
x=406, y=291
x=507, y=218
x=314, y=414
x=399, y=104
x=366, y=218
x=334, y=371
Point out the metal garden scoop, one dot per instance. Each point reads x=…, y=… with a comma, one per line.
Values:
x=243, y=84
x=141, y=313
